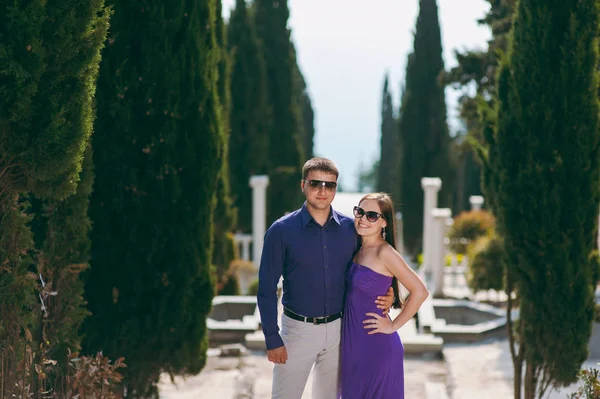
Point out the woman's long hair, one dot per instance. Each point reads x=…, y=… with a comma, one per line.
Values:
x=387, y=210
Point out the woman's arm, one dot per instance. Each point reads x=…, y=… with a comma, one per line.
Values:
x=408, y=278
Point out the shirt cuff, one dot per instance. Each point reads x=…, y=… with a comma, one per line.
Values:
x=273, y=341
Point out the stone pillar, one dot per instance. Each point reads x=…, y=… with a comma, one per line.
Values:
x=476, y=202
x=431, y=186
x=243, y=241
x=399, y=236
x=259, y=214
x=440, y=217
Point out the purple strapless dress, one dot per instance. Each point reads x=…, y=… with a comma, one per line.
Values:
x=372, y=365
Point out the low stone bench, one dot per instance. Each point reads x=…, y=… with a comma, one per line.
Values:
x=231, y=318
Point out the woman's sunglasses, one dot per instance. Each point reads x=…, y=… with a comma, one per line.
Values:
x=372, y=216
x=316, y=184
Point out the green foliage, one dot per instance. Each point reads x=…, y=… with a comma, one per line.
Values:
x=468, y=226
x=157, y=154
x=253, y=288
x=589, y=385
x=224, y=253
x=486, y=264
x=308, y=115
x=389, y=162
x=61, y=229
x=478, y=69
x=224, y=217
x=229, y=285
x=49, y=55
x=424, y=137
x=250, y=116
x=285, y=148
x=542, y=179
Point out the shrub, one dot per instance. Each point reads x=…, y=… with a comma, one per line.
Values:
x=228, y=285
x=486, y=264
x=253, y=288
x=468, y=226
x=590, y=385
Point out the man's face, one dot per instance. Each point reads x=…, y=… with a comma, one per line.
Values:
x=319, y=189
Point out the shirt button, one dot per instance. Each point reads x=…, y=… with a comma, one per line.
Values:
x=324, y=246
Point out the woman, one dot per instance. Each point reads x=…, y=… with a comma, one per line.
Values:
x=372, y=353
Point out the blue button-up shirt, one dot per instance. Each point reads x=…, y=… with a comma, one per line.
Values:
x=312, y=260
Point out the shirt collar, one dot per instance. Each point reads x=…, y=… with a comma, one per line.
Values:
x=306, y=216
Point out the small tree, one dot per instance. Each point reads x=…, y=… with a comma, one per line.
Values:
x=469, y=226
x=486, y=264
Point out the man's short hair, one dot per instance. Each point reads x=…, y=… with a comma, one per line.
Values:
x=321, y=165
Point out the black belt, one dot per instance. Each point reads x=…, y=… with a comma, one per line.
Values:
x=313, y=320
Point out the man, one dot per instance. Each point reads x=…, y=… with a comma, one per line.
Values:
x=311, y=248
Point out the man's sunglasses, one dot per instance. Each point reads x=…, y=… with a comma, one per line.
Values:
x=372, y=216
x=315, y=184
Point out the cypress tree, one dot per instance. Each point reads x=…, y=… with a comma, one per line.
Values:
x=224, y=215
x=49, y=57
x=285, y=148
x=425, y=142
x=307, y=126
x=250, y=112
x=542, y=173
x=477, y=69
x=157, y=157
x=387, y=176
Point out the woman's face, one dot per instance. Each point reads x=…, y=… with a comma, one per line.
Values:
x=368, y=219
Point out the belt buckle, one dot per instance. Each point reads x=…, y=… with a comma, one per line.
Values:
x=316, y=319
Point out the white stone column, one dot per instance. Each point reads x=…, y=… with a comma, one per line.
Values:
x=243, y=241
x=476, y=202
x=259, y=214
x=399, y=234
x=431, y=186
x=438, y=259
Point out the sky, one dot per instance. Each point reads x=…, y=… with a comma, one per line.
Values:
x=344, y=49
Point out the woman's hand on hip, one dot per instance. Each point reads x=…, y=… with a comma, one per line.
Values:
x=378, y=324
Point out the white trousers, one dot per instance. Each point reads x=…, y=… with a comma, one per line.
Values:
x=307, y=345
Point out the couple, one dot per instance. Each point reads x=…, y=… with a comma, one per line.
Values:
x=339, y=280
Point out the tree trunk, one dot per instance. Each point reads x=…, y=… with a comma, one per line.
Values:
x=529, y=381
x=516, y=355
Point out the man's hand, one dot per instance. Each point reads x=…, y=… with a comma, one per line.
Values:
x=385, y=302
x=277, y=355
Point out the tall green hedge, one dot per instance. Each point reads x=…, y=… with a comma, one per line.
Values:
x=250, y=117
x=389, y=160
x=49, y=57
x=224, y=217
x=424, y=137
x=543, y=178
x=285, y=133
x=157, y=156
